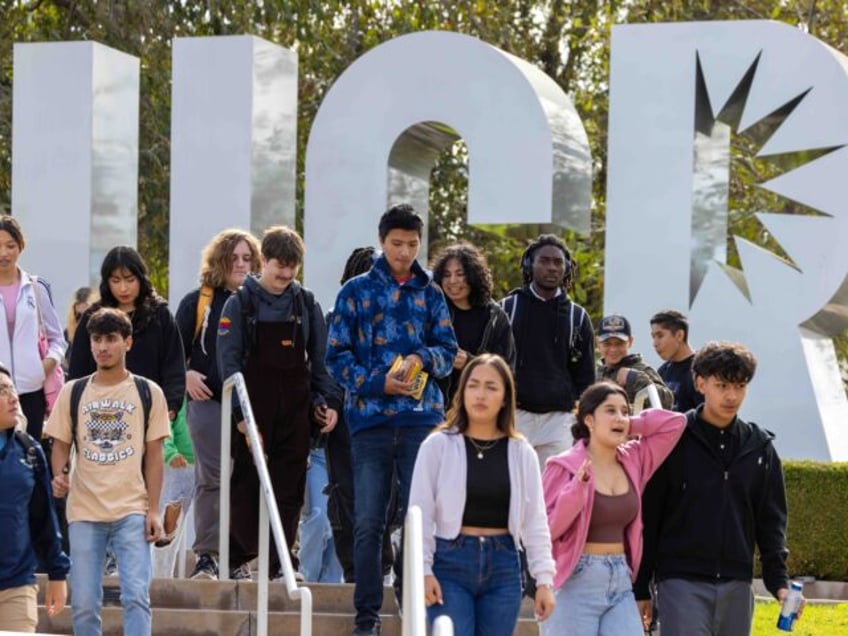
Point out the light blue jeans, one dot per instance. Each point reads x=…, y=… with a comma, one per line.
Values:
x=318, y=561
x=596, y=599
x=178, y=486
x=88, y=544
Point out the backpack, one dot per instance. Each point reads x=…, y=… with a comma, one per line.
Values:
x=78, y=387
x=204, y=306
x=31, y=448
x=575, y=342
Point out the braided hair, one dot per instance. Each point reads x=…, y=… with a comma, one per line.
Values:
x=530, y=252
x=360, y=261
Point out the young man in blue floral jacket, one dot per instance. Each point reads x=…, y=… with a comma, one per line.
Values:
x=393, y=310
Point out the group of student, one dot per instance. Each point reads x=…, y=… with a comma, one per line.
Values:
x=529, y=468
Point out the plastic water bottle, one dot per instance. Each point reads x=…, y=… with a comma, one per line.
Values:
x=790, y=607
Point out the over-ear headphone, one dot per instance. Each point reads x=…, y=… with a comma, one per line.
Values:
x=527, y=260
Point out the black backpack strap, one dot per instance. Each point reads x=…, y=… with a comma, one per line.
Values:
x=31, y=448
x=248, y=314
x=146, y=398
x=76, y=397
x=510, y=304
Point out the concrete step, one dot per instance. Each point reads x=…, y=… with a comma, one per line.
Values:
x=188, y=622
x=232, y=595
x=186, y=607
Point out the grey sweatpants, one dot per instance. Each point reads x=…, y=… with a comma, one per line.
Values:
x=704, y=608
x=204, y=426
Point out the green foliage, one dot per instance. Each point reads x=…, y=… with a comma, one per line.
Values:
x=570, y=41
x=817, y=498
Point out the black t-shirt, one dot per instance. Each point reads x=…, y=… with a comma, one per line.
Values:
x=487, y=483
x=678, y=377
x=469, y=325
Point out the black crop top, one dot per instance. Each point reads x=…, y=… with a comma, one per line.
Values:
x=487, y=484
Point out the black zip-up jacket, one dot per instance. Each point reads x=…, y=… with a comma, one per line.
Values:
x=703, y=519
x=156, y=352
x=554, y=347
x=201, y=352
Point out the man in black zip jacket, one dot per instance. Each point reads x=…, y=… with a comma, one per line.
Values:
x=554, y=347
x=718, y=496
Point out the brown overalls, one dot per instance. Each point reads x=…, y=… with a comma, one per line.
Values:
x=278, y=384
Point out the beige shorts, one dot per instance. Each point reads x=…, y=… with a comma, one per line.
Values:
x=19, y=609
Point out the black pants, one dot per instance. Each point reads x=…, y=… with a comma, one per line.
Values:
x=34, y=407
x=340, y=502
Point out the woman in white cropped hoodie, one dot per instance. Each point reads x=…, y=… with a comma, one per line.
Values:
x=477, y=483
x=21, y=297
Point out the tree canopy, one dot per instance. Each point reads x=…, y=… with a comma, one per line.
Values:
x=569, y=40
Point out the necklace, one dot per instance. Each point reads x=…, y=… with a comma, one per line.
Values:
x=482, y=448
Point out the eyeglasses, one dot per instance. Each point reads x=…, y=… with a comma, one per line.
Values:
x=7, y=391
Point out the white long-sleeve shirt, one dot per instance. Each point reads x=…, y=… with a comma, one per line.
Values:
x=439, y=489
x=20, y=352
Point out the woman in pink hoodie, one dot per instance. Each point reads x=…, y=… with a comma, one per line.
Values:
x=593, y=495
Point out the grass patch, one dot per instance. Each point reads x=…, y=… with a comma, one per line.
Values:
x=818, y=620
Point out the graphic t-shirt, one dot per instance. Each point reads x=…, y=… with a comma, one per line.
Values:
x=107, y=482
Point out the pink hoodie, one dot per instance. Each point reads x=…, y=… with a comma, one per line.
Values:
x=569, y=501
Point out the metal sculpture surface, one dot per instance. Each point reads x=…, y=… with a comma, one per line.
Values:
x=680, y=93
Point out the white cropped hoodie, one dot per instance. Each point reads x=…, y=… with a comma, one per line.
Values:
x=439, y=489
x=20, y=353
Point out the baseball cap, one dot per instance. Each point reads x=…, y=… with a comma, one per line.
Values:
x=614, y=326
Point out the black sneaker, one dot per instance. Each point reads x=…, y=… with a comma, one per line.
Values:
x=373, y=630
x=206, y=568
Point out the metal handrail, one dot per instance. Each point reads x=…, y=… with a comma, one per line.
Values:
x=268, y=511
x=414, y=621
x=649, y=394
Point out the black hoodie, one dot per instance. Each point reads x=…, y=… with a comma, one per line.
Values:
x=704, y=515
x=555, y=350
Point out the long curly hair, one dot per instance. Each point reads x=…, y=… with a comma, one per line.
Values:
x=215, y=259
x=473, y=263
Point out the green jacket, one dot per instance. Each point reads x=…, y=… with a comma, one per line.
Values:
x=179, y=443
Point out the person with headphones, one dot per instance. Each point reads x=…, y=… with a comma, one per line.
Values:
x=554, y=344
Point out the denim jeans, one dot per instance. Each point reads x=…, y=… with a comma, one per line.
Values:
x=88, y=544
x=596, y=599
x=318, y=562
x=178, y=485
x=480, y=579
x=380, y=455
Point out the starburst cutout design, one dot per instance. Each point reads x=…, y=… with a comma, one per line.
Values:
x=729, y=204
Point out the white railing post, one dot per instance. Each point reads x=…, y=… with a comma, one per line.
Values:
x=262, y=583
x=268, y=512
x=224, y=481
x=443, y=626
x=649, y=394
x=414, y=622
